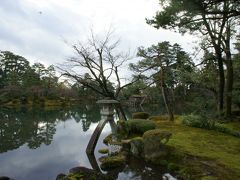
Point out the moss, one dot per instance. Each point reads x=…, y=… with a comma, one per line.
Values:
x=118, y=143
x=61, y=176
x=103, y=151
x=49, y=102
x=154, y=145
x=157, y=135
x=208, y=178
x=112, y=162
x=13, y=103
x=173, y=167
x=107, y=140
x=122, y=129
x=140, y=115
x=159, y=118
x=75, y=176
x=139, y=126
x=136, y=147
x=232, y=125
x=218, y=150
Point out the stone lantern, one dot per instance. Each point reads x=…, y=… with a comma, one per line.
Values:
x=107, y=107
x=107, y=115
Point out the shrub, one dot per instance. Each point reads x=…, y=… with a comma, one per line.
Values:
x=201, y=122
x=139, y=125
x=140, y=115
x=197, y=121
x=220, y=128
x=134, y=126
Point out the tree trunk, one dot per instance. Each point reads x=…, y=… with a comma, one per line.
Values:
x=167, y=103
x=229, y=87
x=229, y=64
x=221, y=81
x=165, y=94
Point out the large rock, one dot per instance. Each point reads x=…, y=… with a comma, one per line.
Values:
x=136, y=147
x=154, y=145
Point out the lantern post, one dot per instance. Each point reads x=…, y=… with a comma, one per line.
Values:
x=107, y=115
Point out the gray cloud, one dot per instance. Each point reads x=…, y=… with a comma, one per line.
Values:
x=37, y=29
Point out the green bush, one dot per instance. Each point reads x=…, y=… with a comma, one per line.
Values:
x=139, y=125
x=140, y=115
x=198, y=121
x=221, y=128
x=201, y=122
x=134, y=126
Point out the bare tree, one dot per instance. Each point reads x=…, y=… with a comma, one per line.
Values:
x=102, y=60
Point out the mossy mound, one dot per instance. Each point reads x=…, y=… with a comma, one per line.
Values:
x=112, y=162
x=157, y=136
x=103, y=151
x=139, y=126
x=77, y=176
x=154, y=145
x=140, y=115
x=108, y=139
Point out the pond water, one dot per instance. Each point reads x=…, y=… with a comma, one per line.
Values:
x=39, y=144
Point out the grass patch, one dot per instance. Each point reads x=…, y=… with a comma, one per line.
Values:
x=218, y=148
x=232, y=125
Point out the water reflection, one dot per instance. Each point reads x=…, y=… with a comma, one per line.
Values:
x=39, y=144
x=37, y=126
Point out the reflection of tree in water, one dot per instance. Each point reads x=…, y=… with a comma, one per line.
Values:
x=18, y=127
x=86, y=114
x=37, y=126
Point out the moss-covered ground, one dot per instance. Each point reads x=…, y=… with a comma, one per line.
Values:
x=232, y=125
x=205, y=149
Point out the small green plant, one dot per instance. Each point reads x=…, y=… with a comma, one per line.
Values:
x=198, y=121
x=202, y=122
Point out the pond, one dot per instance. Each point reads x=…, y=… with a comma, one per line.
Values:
x=39, y=144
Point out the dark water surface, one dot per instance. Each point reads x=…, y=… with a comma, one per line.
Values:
x=39, y=144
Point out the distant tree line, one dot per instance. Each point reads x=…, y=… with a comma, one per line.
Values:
x=23, y=83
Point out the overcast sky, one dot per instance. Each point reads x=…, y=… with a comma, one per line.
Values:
x=37, y=29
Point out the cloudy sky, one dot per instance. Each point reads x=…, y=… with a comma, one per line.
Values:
x=39, y=29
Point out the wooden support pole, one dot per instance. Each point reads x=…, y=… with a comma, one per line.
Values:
x=95, y=136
